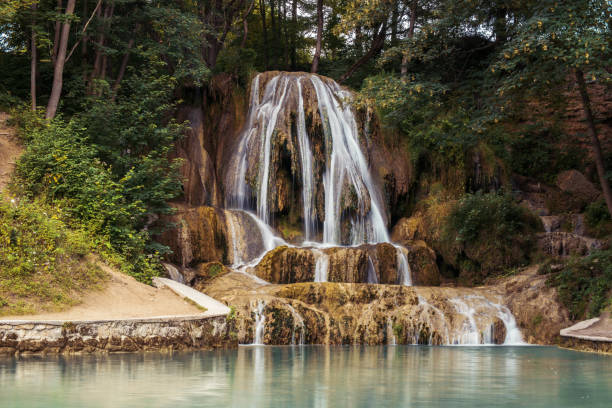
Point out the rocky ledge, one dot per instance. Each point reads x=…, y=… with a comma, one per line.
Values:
x=356, y=313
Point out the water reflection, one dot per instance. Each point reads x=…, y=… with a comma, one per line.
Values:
x=313, y=377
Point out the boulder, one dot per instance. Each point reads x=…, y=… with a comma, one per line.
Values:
x=423, y=267
x=199, y=235
x=574, y=182
x=408, y=229
x=287, y=265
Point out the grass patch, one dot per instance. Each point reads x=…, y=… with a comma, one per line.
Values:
x=44, y=265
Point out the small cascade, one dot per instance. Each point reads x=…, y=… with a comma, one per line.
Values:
x=174, y=273
x=469, y=333
x=235, y=239
x=513, y=333
x=372, y=278
x=297, y=320
x=321, y=266
x=441, y=317
x=260, y=323
x=391, y=340
x=403, y=268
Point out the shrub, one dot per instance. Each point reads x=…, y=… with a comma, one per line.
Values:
x=585, y=284
x=489, y=233
x=108, y=170
x=597, y=219
x=43, y=263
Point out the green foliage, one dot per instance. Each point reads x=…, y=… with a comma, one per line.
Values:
x=597, y=218
x=556, y=38
x=585, y=284
x=108, y=170
x=43, y=262
x=541, y=152
x=490, y=233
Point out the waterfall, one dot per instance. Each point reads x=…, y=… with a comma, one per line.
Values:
x=471, y=334
x=260, y=323
x=306, y=158
x=236, y=253
x=441, y=316
x=403, y=268
x=344, y=171
x=346, y=163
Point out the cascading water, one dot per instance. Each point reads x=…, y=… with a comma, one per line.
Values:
x=299, y=322
x=321, y=266
x=260, y=323
x=344, y=172
x=470, y=333
x=372, y=278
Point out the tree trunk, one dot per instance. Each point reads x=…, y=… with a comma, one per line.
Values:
x=58, y=70
x=246, y=25
x=294, y=35
x=33, y=62
x=377, y=45
x=285, y=36
x=56, y=37
x=123, y=67
x=599, y=162
x=404, y=66
x=317, y=55
x=262, y=11
x=394, y=23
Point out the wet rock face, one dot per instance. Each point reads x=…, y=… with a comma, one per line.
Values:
x=422, y=260
x=287, y=265
x=345, y=313
x=535, y=306
x=199, y=236
x=348, y=264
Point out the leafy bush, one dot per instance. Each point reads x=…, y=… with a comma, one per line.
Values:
x=108, y=170
x=43, y=263
x=597, y=219
x=488, y=233
x=585, y=284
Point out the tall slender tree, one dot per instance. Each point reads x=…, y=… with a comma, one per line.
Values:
x=58, y=69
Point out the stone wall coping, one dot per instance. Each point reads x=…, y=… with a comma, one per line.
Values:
x=157, y=319
x=585, y=324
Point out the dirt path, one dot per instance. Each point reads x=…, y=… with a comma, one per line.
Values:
x=9, y=150
x=122, y=298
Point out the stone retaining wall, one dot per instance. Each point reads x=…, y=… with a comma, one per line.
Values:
x=586, y=345
x=173, y=333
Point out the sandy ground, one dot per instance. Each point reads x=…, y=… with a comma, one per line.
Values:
x=9, y=151
x=122, y=298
